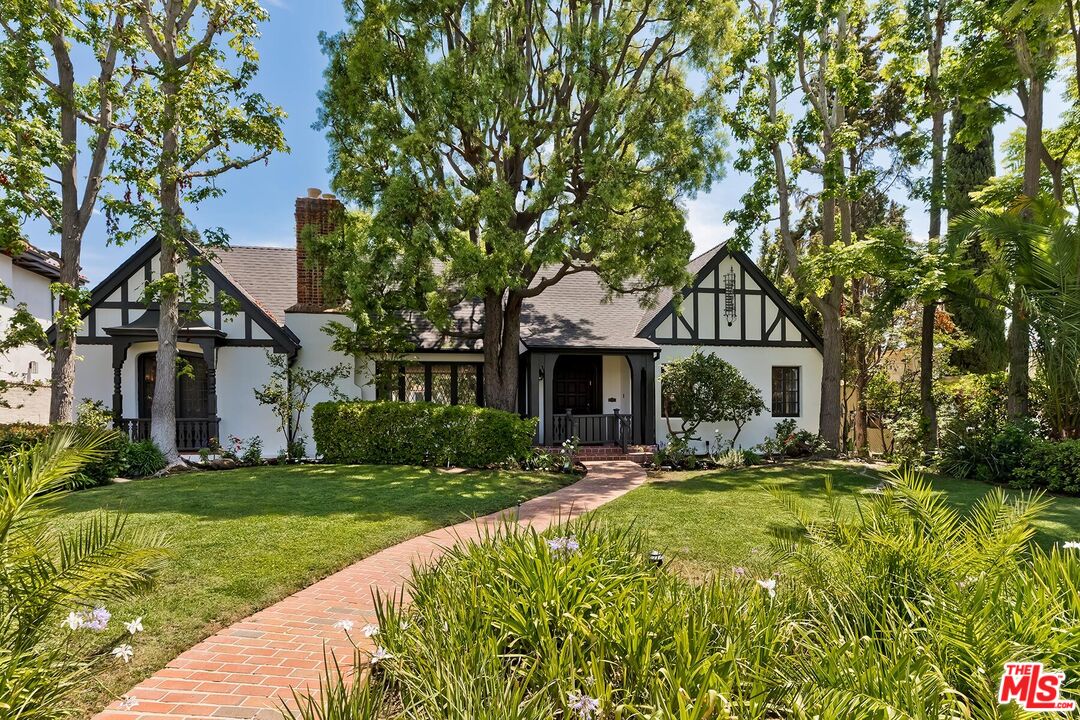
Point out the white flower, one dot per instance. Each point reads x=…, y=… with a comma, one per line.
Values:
x=768, y=584
x=583, y=705
x=127, y=702
x=370, y=630
x=74, y=621
x=135, y=626
x=124, y=652
x=345, y=625
x=379, y=655
x=404, y=625
x=1071, y=545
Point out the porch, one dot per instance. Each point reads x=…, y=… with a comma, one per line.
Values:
x=192, y=434
x=601, y=398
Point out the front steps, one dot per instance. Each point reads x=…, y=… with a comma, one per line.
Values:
x=639, y=454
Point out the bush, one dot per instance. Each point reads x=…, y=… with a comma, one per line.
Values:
x=1054, y=466
x=906, y=609
x=142, y=459
x=788, y=441
x=990, y=453
x=106, y=464
x=397, y=433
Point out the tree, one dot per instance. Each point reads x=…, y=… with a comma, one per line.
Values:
x=197, y=120
x=62, y=71
x=969, y=165
x=815, y=50
x=502, y=146
x=704, y=388
x=287, y=394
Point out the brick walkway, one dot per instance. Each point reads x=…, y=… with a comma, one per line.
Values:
x=247, y=669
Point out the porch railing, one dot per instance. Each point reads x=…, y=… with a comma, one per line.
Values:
x=192, y=434
x=605, y=429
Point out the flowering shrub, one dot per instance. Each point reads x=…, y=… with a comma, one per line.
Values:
x=906, y=609
x=56, y=585
x=244, y=451
x=399, y=433
x=788, y=441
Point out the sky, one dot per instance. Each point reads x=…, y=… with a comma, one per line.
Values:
x=257, y=208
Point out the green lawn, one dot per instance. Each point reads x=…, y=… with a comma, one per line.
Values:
x=242, y=539
x=715, y=520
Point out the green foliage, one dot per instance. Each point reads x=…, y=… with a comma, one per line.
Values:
x=676, y=453
x=100, y=469
x=142, y=459
x=49, y=573
x=705, y=388
x=93, y=415
x=788, y=441
x=905, y=609
x=397, y=433
x=1049, y=465
x=287, y=394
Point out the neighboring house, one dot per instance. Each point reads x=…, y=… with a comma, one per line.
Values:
x=589, y=368
x=28, y=275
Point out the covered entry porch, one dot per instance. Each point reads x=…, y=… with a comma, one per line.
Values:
x=600, y=397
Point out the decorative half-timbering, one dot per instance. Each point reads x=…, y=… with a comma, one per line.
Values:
x=730, y=302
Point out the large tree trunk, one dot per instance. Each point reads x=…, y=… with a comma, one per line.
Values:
x=929, y=311
x=502, y=334
x=862, y=376
x=831, y=375
x=163, y=411
x=62, y=401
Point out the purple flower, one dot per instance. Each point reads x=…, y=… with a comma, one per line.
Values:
x=563, y=545
x=97, y=620
x=738, y=571
x=582, y=705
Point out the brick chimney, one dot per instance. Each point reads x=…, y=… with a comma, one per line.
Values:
x=322, y=213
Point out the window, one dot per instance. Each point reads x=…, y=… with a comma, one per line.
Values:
x=441, y=383
x=785, y=391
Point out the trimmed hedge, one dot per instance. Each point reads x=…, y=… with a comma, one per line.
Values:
x=399, y=433
x=1054, y=466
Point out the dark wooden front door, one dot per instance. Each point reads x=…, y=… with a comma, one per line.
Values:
x=577, y=384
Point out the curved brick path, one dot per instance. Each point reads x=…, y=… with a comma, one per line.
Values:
x=244, y=671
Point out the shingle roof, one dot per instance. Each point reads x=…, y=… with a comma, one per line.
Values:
x=267, y=275
x=37, y=261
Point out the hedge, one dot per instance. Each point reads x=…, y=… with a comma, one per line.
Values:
x=1054, y=466
x=16, y=436
x=399, y=433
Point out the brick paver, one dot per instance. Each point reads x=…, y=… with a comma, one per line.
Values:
x=245, y=671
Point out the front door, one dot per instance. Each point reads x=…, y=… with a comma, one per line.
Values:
x=577, y=385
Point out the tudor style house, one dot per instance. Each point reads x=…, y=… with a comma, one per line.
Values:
x=29, y=276
x=590, y=368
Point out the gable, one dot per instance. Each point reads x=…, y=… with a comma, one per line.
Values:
x=116, y=309
x=762, y=315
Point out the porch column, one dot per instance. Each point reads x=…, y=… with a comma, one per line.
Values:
x=648, y=431
x=643, y=397
x=532, y=388
x=549, y=396
x=637, y=413
x=210, y=358
x=119, y=354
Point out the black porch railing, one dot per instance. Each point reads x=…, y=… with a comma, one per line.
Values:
x=192, y=434
x=605, y=429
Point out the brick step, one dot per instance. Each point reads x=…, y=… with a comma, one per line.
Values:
x=639, y=454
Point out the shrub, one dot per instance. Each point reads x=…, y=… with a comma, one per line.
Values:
x=988, y=453
x=789, y=441
x=397, y=433
x=1051, y=465
x=20, y=435
x=906, y=609
x=51, y=573
x=93, y=414
x=105, y=465
x=142, y=459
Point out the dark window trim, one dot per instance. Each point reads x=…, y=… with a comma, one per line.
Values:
x=784, y=407
x=399, y=368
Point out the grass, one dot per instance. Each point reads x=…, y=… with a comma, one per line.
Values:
x=714, y=520
x=243, y=539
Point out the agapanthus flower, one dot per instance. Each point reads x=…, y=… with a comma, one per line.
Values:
x=124, y=652
x=345, y=625
x=563, y=545
x=135, y=626
x=370, y=630
x=98, y=619
x=1071, y=545
x=379, y=655
x=768, y=584
x=73, y=621
x=582, y=705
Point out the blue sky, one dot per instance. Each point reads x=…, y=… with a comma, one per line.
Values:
x=258, y=207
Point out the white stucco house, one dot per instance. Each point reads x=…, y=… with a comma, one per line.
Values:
x=28, y=275
x=590, y=368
